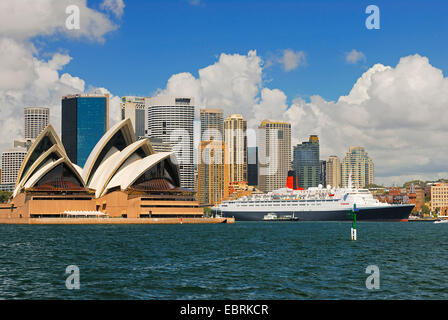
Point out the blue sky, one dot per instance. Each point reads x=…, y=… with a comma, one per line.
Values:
x=156, y=39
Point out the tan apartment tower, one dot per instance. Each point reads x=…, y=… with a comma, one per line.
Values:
x=274, y=149
x=333, y=173
x=235, y=139
x=213, y=173
x=357, y=163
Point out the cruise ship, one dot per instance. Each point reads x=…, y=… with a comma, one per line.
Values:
x=314, y=204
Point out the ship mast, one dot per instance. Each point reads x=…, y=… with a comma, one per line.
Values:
x=350, y=182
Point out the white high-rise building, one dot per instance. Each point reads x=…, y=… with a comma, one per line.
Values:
x=36, y=119
x=134, y=109
x=171, y=120
x=274, y=150
x=11, y=162
x=357, y=163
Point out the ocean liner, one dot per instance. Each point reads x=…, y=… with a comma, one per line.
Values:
x=314, y=204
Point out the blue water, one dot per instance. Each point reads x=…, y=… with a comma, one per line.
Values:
x=253, y=260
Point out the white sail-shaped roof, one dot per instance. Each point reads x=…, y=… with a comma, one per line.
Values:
x=117, y=160
x=47, y=167
x=122, y=129
x=128, y=175
x=55, y=149
x=109, y=167
x=44, y=141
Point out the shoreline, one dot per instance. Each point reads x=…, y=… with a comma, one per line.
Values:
x=65, y=221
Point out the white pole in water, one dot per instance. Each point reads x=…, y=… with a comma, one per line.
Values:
x=353, y=234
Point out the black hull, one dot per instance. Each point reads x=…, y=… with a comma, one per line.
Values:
x=392, y=213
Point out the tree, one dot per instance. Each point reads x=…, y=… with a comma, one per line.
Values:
x=207, y=212
x=4, y=196
x=425, y=210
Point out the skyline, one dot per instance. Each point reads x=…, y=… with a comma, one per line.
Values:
x=396, y=109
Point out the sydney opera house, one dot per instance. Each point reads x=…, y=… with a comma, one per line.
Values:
x=122, y=178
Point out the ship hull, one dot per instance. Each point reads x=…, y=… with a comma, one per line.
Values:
x=391, y=213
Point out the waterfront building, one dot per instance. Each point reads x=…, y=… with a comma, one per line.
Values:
x=11, y=162
x=416, y=196
x=274, y=152
x=439, y=198
x=235, y=139
x=252, y=166
x=212, y=124
x=357, y=163
x=242, y=189
x=36, y=119
x=306, y=162
x=333, y=174
x=134, y=108
x=213, y=173
x=171, y=119
x=123, y=177
x=85, y=119
x=323, y=173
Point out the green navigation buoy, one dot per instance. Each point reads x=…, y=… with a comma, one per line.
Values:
x=353, y=229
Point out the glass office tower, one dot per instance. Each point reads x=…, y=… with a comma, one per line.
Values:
x=85, y=119
x=306, y=163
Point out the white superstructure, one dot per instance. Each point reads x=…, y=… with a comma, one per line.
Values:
x=314, y=204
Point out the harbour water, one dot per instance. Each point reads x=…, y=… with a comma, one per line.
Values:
x=246, y=260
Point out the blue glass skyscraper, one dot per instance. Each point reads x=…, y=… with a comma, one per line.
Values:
x=85, y=119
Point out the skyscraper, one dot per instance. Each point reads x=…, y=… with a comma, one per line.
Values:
x=213, y=174
x=85, y=119
x=323, y=173
x=333, y=171
x=274, y=151
x=306, y=162
x=36, y=119
x=171, y=119
x=357, y=163
x=235, y=139
x=252, y=166
x=212, y=123
x=134, y=108
x=11, y=162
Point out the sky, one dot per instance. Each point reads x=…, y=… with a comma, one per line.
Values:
x=312, y=63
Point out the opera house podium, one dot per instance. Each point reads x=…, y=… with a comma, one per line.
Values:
x=123, y=180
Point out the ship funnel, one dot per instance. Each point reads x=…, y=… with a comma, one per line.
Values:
x=292, y=181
